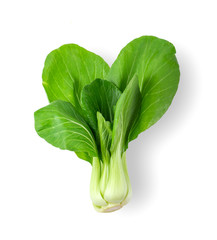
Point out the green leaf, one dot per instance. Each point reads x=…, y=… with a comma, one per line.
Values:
x=126, y=113
x=68, y=69
x=105, y=135
x=99, y=96
x=85, y=156
x=62, y=126
x=154, y=62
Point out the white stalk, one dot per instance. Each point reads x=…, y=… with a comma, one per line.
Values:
x=95, y=193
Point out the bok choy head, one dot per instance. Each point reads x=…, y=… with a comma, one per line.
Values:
x=96, y=110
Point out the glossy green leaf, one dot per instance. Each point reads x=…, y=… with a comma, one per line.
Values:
x=68, y=69
x=154, y=62
x=99, y=96
x=126, y=112
x=62, y=126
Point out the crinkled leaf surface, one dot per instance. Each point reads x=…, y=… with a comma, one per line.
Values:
x=99, y=96
x=126, y=112
x=68, y=69
x=61, y=125
x=154, y=62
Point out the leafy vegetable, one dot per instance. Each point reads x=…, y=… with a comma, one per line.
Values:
x=96, y=111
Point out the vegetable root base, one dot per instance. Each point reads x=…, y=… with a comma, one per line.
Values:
x=109, y=208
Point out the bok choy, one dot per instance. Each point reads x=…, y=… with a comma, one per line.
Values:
x=96, y=110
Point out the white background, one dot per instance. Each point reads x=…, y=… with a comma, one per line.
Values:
x=44, y=192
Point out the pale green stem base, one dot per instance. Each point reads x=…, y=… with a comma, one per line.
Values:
x=110, y=187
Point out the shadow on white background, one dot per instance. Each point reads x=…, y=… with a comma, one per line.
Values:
x=143, y=150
